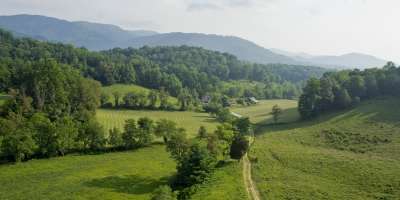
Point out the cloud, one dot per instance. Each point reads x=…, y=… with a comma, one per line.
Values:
x=200, y=6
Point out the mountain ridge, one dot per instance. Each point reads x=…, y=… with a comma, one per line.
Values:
x=99, y=36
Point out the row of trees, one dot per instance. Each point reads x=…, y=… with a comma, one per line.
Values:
x=338, y=90
x=155, y=99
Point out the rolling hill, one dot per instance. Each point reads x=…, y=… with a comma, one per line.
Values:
x=351, y=154
x=93, y=36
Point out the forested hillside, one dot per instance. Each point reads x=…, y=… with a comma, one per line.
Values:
x=198, y=70
x=339, y=90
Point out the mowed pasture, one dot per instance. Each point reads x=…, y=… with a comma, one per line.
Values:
x=189, y=120
x=353, y=154
x=260, y=112
x=123, y=175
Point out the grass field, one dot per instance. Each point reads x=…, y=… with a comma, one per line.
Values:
x=352, y=154
x=189, y=120
x=124, y=175
x=124, y=89
x=260, y=113
x=3, y=98
x=225, y=183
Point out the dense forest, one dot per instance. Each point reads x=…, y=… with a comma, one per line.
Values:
x=339, y=90
x=172, y=68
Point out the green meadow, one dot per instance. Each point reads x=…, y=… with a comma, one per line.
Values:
x=353, y=154
x=189, y=120
x=260, y=112
x=123, y=175
x=225, y=183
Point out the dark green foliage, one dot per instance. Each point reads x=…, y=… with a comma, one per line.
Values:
x=153, y=98
x=92, y=134
x=166, y=129
x=145, y=131
x=128, y=136
x=18, y=142
x=164, y=193
x=105, y=100
x=309, y=100
x=117, y=97
x=178, y=144
x=195, y=166
x=44, y=135
x=67, y=133
x=138, y=134
x=243, y=125
x=276, y=112
x=115, y=137
x=184, y=99
x=224, y=135
x=339, y=90
x=342, y=98
x=224, y=115
x=239, y=147
x=202, y=133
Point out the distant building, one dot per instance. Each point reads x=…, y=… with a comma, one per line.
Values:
x=253, y=100
x=206, y=99
x=236, y=115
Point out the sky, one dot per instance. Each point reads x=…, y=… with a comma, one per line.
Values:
x=320, y=27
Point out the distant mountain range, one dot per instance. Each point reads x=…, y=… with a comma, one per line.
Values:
x=97, y=36
x=350, y=60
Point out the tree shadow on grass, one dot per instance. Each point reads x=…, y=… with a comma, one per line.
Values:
x=133, y=184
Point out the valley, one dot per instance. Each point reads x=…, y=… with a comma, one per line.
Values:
x=96, y=111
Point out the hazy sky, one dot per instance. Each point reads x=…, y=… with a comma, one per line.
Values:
x=312, y=26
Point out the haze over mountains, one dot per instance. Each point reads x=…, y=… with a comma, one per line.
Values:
x=97, y=36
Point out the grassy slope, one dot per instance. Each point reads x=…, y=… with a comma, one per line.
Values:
x=125, y=175
x=260, y=113
x=191, y=121
x=298, y=161
x=225, y=183
x=124, y=89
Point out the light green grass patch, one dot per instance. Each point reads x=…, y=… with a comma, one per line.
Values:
x=260, y=112
x=125, y=175
x=296, y=161
x=189, y=120
x=3, y=98
x=225, y=183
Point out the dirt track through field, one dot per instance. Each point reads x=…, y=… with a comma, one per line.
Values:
x=248, y=181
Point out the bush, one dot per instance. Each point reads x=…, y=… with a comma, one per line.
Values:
x=239, y=147
x=164, y=193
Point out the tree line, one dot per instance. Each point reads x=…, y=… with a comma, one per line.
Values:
x=339, y=90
